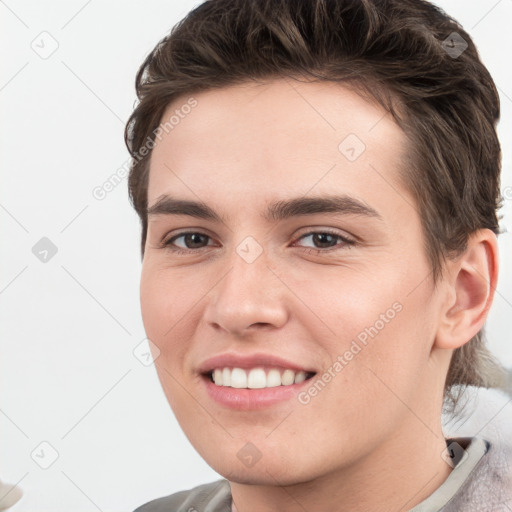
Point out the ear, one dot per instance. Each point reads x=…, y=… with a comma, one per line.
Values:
x=470, y=285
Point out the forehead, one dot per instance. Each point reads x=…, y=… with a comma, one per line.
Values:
x=277, y=135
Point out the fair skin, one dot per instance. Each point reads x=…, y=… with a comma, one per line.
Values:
x=371, y=439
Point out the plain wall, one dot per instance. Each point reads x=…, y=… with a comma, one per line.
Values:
x=69, y=326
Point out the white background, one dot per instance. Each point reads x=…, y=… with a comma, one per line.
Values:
x=68, y=329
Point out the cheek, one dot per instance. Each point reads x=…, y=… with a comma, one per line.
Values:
x=168, y=295
x=378, y=358
x=382, y=323
x=163, y=304
x=164, y=313
x=344, y=304
x=154, y=303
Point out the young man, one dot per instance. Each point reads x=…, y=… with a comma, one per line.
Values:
x=318, y=184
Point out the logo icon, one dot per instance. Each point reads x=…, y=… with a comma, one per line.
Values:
x=249, y=249
x=352, y=147
x=146, y=352
x=44, y=250
x=249, y=455
x=454, y=45
x=454, y=454
x=44, y=455
x=45, y=45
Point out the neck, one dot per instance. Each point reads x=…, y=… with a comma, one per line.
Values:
x=401, y=473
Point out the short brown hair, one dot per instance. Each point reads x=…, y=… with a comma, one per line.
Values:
x=408, y=55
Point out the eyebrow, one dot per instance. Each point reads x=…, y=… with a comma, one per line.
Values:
x=276, y=211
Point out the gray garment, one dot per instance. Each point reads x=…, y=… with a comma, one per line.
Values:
x=468, y=453
x=213, y=497
x=481, y=481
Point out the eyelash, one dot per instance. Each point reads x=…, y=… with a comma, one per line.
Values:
x=347, y=242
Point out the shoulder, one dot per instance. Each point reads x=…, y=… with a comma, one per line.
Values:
x=215, y=495
x=489, y=487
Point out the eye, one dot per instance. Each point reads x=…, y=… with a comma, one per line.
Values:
x=323, y=241
x=327, y=240
x=191, y=240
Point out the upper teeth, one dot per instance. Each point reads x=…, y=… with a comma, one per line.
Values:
x=256, y=378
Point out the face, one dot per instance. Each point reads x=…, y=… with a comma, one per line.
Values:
x=299, y=283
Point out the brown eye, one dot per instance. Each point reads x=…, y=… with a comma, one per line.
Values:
x=326, y=240
x=190, y=241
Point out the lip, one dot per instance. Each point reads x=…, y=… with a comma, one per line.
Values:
x=250, y=399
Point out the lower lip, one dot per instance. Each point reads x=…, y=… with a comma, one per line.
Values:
x=251, y=399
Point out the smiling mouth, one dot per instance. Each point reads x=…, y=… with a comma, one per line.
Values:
x=257, y=378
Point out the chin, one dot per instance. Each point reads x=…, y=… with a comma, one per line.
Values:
x=262, y=475
x=268, y=470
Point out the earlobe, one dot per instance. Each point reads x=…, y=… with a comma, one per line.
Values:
x=470, y=291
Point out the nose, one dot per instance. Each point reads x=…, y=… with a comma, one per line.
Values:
x=249, y=297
